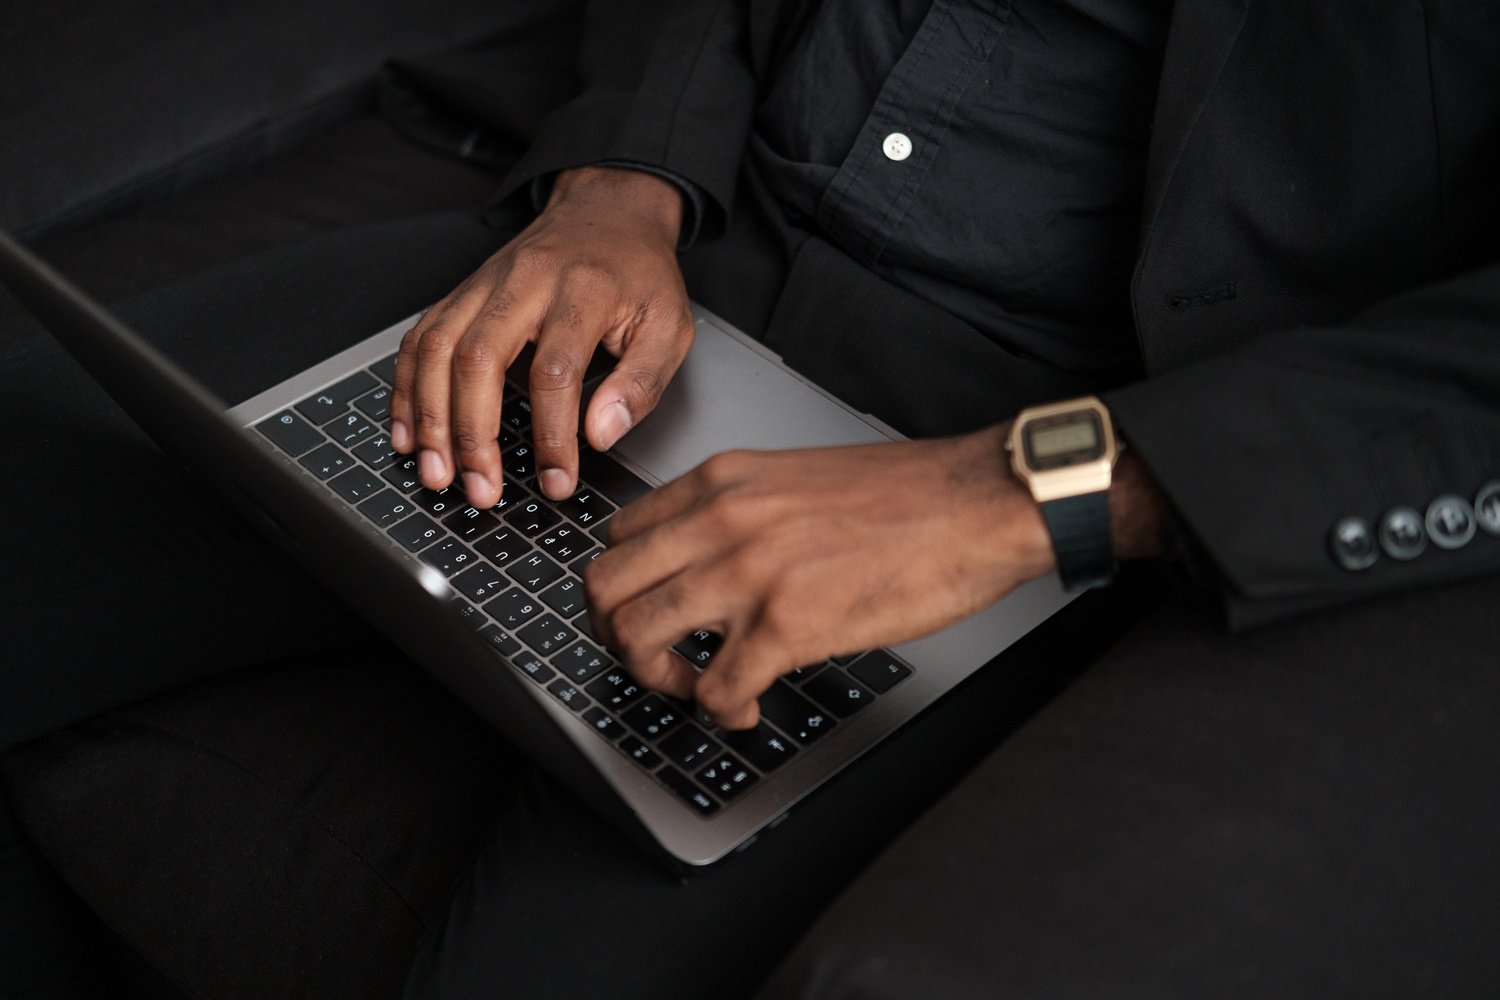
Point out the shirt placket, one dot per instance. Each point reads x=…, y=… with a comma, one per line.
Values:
x=879, y=180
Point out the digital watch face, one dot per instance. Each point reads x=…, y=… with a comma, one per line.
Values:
x=1063, y=439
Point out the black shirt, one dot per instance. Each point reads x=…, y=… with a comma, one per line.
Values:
x=987, y=155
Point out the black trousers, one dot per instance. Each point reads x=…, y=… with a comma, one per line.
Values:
x=297, y=811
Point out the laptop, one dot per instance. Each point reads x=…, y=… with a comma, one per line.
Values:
x=491, y=602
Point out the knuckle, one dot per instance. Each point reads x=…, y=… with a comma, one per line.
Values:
x=553, y=370
x=436, y=344
x=430, y=418
x=469, y=442
x=475, y=356
x=646, y=385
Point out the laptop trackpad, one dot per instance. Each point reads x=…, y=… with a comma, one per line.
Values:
x=729, y=395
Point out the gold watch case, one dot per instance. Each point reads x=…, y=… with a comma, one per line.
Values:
x=1071, y=478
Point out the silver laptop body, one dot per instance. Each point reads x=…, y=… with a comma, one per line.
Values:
x=730, y=393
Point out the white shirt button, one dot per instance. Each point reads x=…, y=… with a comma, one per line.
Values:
x=897, y=146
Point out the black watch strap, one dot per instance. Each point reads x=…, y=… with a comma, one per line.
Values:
x=1080, y=537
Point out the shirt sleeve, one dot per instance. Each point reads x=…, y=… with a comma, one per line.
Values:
x=665, y=86
x=1264, y=451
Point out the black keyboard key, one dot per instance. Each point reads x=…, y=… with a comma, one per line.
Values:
x=513, y=608
x=290, y=433
x=582, y=661
x=696, y=798
x=699, y=647
x=601, y=532
x=726, y=776
x=503, y=546
x=510, y=495
x=470, y=523
x=586, y=508
x=604, y=724
x=838, y=692
x=375, y=404
x=349, y=429
x=356, y=484
x=586, y=626
x=577, y=566
x=804, y=673
x=502, y=641
x=547, y=635
x=386, y=369
x=653, y=717
x=564, y=542
x=520, y=463
x=532, y=517
x=880, y=671
x=471, y=615
x=640, y=752
x=515, y=415
x=326, y=462
x=610, y=477
x=793, y=714
x=377, y=452
x=402, y=474
x=535, y=572
x=763, y=747
x=441, y=503
x=616, y=690
x=333, y=400
x=480, y=582
x=416, y=533
x=533, y=666
x=565, y=597
x=568, y=694
x=449, y=557
x=387, y=507
x=689, y=747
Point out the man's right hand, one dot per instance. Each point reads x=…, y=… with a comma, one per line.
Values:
x=597, y=267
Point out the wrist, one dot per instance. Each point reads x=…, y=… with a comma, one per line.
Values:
x=644, y=198
x=1017, y=533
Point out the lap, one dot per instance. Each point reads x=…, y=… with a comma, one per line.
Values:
x=1304, y=810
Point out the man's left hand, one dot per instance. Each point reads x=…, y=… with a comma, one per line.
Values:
x=798, y=555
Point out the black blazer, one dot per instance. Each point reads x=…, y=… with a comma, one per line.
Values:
x=1317, y=294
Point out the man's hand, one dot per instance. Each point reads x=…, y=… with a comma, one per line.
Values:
x=795, y=556
x=598, y=267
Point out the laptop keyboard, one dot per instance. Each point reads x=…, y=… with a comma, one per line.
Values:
x=518, y=568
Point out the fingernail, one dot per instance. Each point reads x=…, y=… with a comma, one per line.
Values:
x=481, y=491
x=555, y=483
x=400, y=435
x=432, y=467
x=614, y=421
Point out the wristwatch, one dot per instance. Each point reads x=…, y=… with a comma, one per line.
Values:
x=1065, y=453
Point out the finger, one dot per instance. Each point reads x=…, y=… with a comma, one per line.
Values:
x=479, y=365
x=742, y=670
x=651, y=623
x=632, y=390
x=694, y=489
x=665, y=672
x=430, y=390
x=402, y=384
x=625, y=571
x=567, y=340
